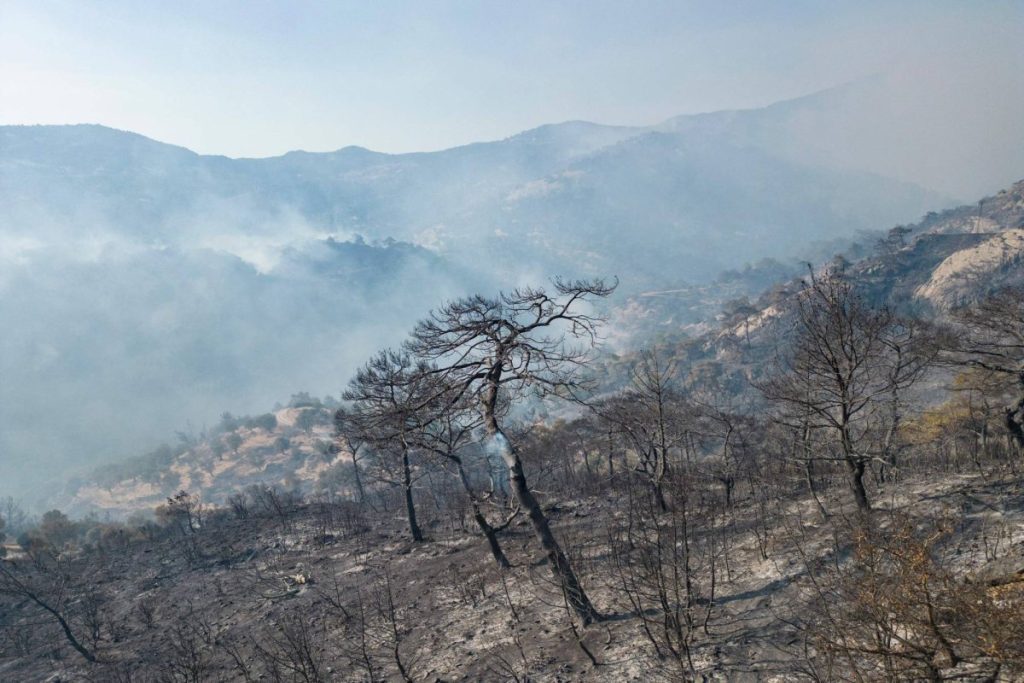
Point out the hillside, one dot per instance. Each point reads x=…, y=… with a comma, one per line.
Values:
x=288, y=448
x=245, y=593
x=949, y=259
x=204, y=283
x=942, y=262
x=131, y=345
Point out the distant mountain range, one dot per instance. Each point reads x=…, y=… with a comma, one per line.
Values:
x=145, y=288
x=679, y=201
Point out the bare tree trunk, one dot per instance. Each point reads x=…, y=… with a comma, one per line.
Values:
x=856, y=467
x=985, y=447
x=560, y=566
x=890, y=448
x=410, y=507
x=659, y=494
x=359, y=480
x=1015, y=414
x=89, y=656
x=489, y=532
x=20, y=588
x=728, y=483
x=813, y=490
x=492, y=538
x=1013, y=424
x=805, y=442
x=611, y=458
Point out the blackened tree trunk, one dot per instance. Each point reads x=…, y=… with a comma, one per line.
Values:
x=488, y=531
x=68, y=633
x=359, y=480
x=410, y=506
x=557, y=560
x=658, y=485
x=856, y=467
x=492, y=538
x=12, y=585
x=1013, y=422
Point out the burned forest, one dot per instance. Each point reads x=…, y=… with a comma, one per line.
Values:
x=511, y=342
x=828, y=489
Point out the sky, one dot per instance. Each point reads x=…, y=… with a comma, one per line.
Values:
x=259, y=78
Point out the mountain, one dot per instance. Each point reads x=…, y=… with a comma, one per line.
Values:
x=572, y=187
x=663, y=207
x=146, y=288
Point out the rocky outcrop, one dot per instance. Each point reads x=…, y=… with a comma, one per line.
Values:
x=962, y=275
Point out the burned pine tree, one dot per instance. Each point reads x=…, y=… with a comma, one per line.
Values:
x=486, y=349
x=385, y=396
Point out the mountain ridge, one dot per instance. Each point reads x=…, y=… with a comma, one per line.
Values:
x=526, y=133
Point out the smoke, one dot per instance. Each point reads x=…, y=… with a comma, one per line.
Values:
x=497, y=446
x=112, y=348
x=956, y=127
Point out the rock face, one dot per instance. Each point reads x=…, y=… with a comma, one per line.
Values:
x=975, y=250
x=962, y=274
x=949, y=259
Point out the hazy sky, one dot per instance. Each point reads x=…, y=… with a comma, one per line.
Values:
x=257, y=78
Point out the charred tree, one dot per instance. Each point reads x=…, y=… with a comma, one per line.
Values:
x=847, y=362
x=487, y=350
